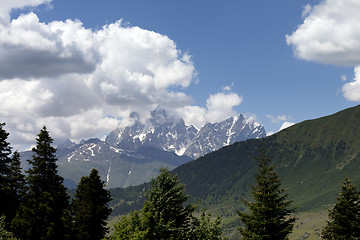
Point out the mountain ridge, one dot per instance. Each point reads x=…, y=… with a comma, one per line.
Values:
x=134, y=154
x=170, y=133
x=312, y=159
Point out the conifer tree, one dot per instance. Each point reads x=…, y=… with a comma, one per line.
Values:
x=204, y=228
x=90, y=208
x=5, y=159
x=130, y=227
x=269, y=217
x=15, y=186
x=45, y=213
x=5, y=234
x=345, y=216
x=165, y=215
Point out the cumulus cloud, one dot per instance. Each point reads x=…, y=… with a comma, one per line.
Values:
x=277, y=119
x=219, y=106
x=32, y=49
x=8, y=5
x=82, y=83
x=351, y=90
x=330, y=34
x=286, y=125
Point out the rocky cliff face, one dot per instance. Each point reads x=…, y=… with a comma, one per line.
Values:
x=134, y=154
x=214, y=136
x=170, y=133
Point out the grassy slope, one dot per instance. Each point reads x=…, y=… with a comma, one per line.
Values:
x=312, y=159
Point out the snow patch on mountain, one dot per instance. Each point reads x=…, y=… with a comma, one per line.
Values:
x=170, y=133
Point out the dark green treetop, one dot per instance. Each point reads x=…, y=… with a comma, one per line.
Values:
x=130, y=227
x=344, y=218
x=5, y=151
x=90, y=208
x=167, y=216
x=5, y=159
x=5, y=234
x=45, y=213
x=164, y=211
x=269, y=217
x=15, y=187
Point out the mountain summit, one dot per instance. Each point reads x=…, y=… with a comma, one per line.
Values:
x=134, y=154
x=170, y=133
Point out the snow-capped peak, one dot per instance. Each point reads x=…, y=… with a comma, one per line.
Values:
x=168, y=132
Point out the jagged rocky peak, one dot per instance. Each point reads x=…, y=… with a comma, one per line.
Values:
x=67, y=144
x=167, y=131
x=164, y=130
x=91, y=140
x=213, y=136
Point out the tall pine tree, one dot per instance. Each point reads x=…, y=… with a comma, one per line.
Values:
x=45, y=213
x=90, y=208
x=269, y=217
x=15, y=186
x=5, y=159
x=165, y=215
x=345, y=216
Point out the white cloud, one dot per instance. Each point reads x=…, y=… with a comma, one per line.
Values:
x=7, y=5
x=306, y=10
x=31, y=49
x=286, y=125
x=351, y=90
x=281, y=118
x=228, y=87
x=81, y=83
x=330, y=34
x=219, y=106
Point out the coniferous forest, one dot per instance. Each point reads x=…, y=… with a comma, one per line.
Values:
x=37, y=205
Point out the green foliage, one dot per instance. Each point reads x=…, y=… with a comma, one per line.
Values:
x=90, y=208
x=5, y=159
x=164, y=213
x=130, y=227
x=166, y=216
x=45, y=212
x=269, y=216
x=204, y=228
x=5, y=151
x=12, y=182
x=345, y=216
x=125, y=200
x=16, y=186
x=4, y=234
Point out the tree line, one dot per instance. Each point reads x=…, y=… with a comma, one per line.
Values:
x=37, y=205
x=269, y=217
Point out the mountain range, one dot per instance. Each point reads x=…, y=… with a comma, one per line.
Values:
x=134, y=154
x=168, y=132
x=312, y=159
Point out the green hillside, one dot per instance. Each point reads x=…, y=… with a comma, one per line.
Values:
x=312, y=159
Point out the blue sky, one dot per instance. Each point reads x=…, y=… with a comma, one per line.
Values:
x=231, y=53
